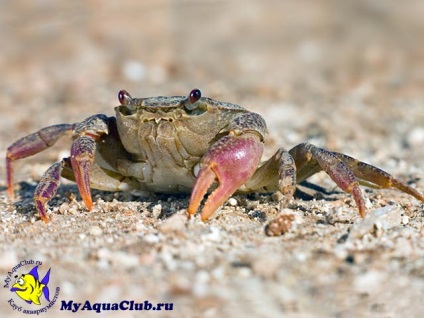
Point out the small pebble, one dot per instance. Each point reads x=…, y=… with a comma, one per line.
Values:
x=64, y=207
x=157, y=210
x=280, y=225
x=151, y=238
x=140, y=227
x=376, y=222
x=368, y=282
x=405, y=219
x=368, y=203
x=95, y=230
x=232, y=201
x=176, y=223
x=213, y=235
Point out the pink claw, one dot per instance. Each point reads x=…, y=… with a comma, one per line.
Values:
x=231, y=161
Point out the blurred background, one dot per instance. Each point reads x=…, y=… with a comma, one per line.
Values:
x=327, y=71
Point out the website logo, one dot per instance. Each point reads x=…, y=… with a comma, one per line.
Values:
x=30, y=295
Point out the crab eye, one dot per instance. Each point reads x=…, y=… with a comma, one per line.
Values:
x=124, y=97
x=194, y=96
x=192, y=102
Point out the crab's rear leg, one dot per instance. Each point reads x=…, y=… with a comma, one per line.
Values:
x=374, y=177
x=310, y=159
x=300, y=163
x=30, y=145
x=281, y=172
x=346, y=172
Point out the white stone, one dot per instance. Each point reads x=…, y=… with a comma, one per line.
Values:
x=232, y=201
x=380, y=219
x=405, y=219
x=95, y=230
x=151, y=238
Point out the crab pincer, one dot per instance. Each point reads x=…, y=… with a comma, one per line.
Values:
x=82, y=158
x=231, y=161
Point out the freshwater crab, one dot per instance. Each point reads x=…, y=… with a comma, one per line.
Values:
x=186, y=144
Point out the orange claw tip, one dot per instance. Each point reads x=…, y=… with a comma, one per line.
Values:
x=206, y=213
x=86, y=197
x=89, y=206
x=9, y=177
x=359, y=199
x=41, y=209
x=84, y=190
x=10, y=192
x=81, y=173
x=204, y=180
x=45, y=219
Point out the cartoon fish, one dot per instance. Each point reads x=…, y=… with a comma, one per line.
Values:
x=29, y=288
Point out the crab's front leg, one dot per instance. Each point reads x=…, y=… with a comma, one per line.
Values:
x=231, y=161
x=82, y=158
x=31, y=145
x=86, y=134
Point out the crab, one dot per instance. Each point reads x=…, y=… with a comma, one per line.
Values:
x=187, y=144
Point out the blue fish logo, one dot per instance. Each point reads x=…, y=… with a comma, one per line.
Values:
x=29, y=287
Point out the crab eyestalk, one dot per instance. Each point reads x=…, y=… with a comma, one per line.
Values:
x=124, y=97
x=193, y=99
x=231, y=161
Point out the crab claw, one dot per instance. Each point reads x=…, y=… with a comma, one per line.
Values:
x=231, y=161
x=46, y=189
x=82, y=158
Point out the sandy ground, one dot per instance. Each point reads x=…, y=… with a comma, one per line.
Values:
x=345, y=75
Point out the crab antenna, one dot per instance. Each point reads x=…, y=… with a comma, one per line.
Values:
x=193, y=99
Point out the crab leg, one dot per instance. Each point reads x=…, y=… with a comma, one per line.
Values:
x=310, y=159
x=47, y=188
x=82, y=158
x=30, y=145
x=265, y=179
x=231, y=161
x=87, y=133
x=374, y=177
